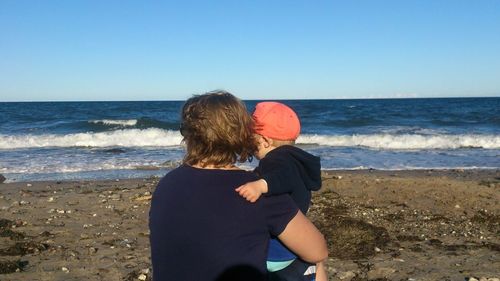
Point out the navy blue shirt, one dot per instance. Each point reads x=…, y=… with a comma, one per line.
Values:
x=200, y=227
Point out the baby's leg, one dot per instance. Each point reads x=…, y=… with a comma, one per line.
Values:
x=299, y=271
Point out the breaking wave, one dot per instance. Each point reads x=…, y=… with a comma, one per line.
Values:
x=405, y=141
x=124, y=123
x=154, y=137
x=123, y=138
x=140, y=123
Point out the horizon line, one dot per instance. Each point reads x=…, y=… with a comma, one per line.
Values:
x=265, y=99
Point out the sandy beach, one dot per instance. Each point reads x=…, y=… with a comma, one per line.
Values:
x=380, y=225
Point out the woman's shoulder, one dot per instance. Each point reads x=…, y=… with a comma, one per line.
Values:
x=191, y=172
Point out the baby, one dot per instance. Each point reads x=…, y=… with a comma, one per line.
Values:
x=283, y=168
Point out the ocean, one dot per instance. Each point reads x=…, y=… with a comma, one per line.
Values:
x=108, y=140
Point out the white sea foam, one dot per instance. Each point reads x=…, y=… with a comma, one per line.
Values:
x=37, y=168
x=406, y=141
x=154, y=137
x=125, y=138
x=131, y=122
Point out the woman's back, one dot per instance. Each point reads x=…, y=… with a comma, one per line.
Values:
x=201, y=228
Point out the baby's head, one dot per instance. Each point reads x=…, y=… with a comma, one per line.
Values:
x=275, y=125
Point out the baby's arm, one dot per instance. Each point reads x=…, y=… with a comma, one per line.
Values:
x=251, y=191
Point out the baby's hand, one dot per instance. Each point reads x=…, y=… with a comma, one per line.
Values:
x=251, y=191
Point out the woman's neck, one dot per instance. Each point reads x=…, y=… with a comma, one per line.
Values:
x=218, y=167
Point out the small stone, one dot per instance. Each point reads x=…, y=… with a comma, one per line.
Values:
x=457, y=206
x=472, y=279
x=145, y=271
x=2, y=178
x=130, y=265
x=380, y=273
x=92, y=250
x=29, y=185
x=65, y=269
x=51, y=199
x=346, y=275
x=377, y=249
x=142, y=277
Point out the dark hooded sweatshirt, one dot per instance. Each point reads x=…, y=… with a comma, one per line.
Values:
x=291, y=170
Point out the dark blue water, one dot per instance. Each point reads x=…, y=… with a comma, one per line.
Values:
x=70, y=140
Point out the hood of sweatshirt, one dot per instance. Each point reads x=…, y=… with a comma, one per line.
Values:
x=308, y=165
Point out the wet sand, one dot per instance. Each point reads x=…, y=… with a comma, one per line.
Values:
x=380, y=225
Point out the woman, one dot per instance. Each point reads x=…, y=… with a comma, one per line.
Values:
x=201, y=229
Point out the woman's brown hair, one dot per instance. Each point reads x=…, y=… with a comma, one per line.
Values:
x=217, y=130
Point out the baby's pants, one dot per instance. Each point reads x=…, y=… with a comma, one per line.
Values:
x=298, y=270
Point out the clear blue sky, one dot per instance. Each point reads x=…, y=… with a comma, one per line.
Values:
x=147, y=50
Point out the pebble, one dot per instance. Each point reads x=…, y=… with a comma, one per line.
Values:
x=142, y=277
x=145, y=271
x=380, y=273
x=65, y=269
x=346, y=275
x=92, y=250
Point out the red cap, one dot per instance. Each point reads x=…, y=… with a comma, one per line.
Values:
x=276, y=120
